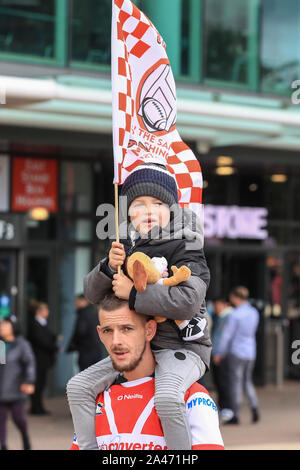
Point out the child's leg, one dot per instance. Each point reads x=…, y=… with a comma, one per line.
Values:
x=82, y=391
x=175, y=372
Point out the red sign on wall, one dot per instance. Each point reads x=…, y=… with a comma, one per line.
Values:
x=34, y=184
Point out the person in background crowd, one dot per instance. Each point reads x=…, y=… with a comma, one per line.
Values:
x=220, y=371
x=238, y=344
x=44, y=345
x=85, y=338
x=17, y=377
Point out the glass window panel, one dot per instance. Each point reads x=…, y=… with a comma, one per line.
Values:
x=227, y=37
x=276, y=199
x=77, y=230
x=215, y=189
x=185, y=37
x=76, y=187
x=73, y=267
x=42, y=229
x=36, y=286
x=251, y=191
x=294, y=286
x=280, y=54
x=82, y=267
x=5, y=285
x=91, y=31
x=28, y=27
x=278, y=234
x=295, y=237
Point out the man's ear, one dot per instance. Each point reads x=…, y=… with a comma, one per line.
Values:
x=151, y=327
x=99, y=332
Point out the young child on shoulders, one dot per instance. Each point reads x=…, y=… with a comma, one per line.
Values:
x=159, y=228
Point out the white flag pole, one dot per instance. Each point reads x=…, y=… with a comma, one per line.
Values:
x=116, y=149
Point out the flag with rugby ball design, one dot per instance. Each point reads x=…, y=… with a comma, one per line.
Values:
x=145, y=104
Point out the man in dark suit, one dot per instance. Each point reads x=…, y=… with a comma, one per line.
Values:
x=85, y=338
x=43, y=342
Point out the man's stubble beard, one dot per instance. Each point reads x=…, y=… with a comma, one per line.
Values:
x=133, y=364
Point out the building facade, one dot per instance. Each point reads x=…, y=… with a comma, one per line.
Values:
x=237, y=66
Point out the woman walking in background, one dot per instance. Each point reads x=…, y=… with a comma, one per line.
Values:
x=17, y=377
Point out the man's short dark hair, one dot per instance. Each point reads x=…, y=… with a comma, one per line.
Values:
x=110, y=303
x=241, y=292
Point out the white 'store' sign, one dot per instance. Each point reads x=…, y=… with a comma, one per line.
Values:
x=235, y=222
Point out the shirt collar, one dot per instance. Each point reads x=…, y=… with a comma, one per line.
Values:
x=121, y=379
x=41, y=321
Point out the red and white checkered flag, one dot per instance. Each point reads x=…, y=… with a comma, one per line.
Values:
x=145, y=104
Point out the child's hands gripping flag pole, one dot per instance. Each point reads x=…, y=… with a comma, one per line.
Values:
x=145, y=105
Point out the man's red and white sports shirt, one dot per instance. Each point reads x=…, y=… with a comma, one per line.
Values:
x=127, y=420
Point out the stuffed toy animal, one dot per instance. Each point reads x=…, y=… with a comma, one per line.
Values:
x=143, y=270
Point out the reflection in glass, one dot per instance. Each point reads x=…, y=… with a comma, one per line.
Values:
x=275, y=280
x=185, y=37
x=28, y=27
x=280, y=55
x=37, y=278
x=5, y=285
x=74, y=265
x=79, y=230
x=91, y=31
x=294, y=286
x=276, y=198
x=42, y=229
x=76, y=187
x=227, y=34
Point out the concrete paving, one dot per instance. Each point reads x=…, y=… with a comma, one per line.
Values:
x=278, y=429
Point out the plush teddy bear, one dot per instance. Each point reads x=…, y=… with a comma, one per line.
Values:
x=143, y=270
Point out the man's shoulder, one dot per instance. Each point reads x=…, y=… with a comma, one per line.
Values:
x=198, y=400
x=246, y=308
x=23, y=342
x=196, y=388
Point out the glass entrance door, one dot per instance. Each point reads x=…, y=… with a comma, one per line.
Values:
x=40, y=282
x=8, y=288
x=234, y=268
x=293, y=314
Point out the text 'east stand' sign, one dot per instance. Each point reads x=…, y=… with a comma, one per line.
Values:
x=34, y=184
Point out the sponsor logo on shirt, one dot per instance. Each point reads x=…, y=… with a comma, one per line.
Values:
x=129, y=397
x=201, y=401
x=99, y=410
x=131, y=442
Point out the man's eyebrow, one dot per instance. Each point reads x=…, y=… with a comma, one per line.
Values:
x=125, y=325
